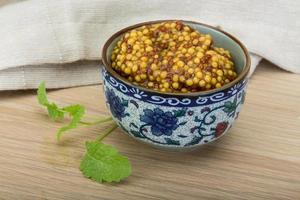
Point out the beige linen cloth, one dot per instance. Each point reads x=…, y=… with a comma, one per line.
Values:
x=59, y=41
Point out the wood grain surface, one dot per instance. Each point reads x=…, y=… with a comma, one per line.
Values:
x=258, y=159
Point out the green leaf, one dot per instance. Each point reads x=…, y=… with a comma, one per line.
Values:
x=41, y=94
x=194, y=141
x=124, y=102
x=180, y=113
x=76, y=112
x=182, y=123
x=103, y=163
x=229, y=106
x=172, y=142
x=54, y=112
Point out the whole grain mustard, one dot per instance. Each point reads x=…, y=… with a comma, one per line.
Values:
x=172, y=57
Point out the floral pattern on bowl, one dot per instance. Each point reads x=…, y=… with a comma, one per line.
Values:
x=173, y=122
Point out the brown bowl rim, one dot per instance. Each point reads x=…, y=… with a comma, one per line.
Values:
x=109, y=68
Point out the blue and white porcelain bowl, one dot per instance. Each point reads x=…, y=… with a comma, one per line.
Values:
x=176, y=120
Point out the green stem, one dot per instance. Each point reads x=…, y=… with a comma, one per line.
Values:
x=96, y=122
x=110, y=130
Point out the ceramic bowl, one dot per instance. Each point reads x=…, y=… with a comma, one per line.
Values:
x=176, y=120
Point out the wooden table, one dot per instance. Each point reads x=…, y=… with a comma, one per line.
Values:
x=258, y=159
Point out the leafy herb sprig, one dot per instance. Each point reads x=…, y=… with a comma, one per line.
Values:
x=102, y=162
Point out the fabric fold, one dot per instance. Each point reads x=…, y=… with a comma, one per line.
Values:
x=46, y=34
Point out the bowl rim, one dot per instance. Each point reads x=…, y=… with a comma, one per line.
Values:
x=109, y=68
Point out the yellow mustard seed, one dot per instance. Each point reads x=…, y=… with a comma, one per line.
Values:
x=134, y=68
x=214, y=64
x=182, y=78
x=175, y=60
x=187, y=55
x=207, y=78
x=200, y=55
x=138, y=54
x=172, y=44
x=153, y=66
x=187, y=38
x=218, y=85
x=167, y=25
x=119, y=63
x=150, y=84
x=163, y=74
x=186, y=28
x=166, y=36
x=227, y=66
x=213, y=81
x=194, y=33
x=208, y=86
x=183, y=50
x=191, y=50
x=185, y=33
x=220, y=72
x=202, y=83
x=156, y=73
x=214, y=58
x=180, y=63
x=144, y=58
x=143, y=65
x=191, y=70
x=175, y=78
x=199, y=74
x=151, y=77
x=190, y=63
x=189, y=82
x=134, y=58
x=123, y=66
x=195, y=41
x=148, y=42
x=170, y=53
x=166, y=85
x=129, y=64
x=175, y=85
x=195, y=80
x=175, y=67
x=149, y=48
x=202, y=39
x=196, y=60
x=133, y=34
x=184, y=90
x=165, y=62
x=145, y=31
x=140, y=34
x=127, y=71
